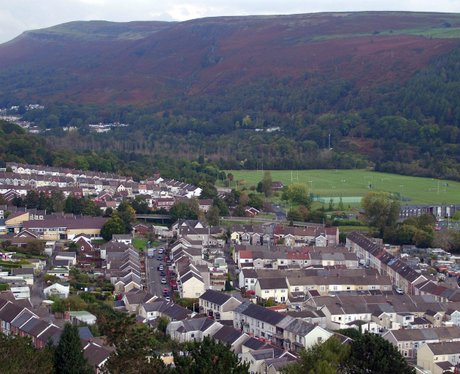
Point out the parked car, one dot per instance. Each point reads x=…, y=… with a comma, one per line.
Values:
x=161, y=267
x=399, y=291
x=163, y=280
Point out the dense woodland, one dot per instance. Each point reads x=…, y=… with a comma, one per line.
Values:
x=18, y=146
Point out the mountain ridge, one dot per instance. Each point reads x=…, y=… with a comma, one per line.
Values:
x=197, y=55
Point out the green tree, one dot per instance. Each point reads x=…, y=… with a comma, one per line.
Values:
x=20, y=356
x=162, y=324
x=91, y=208
x=127, y=215
x=326, y=358
x=423, y=239
x=114, y=225
x=297, y=193
x=255, y=201
x=380, y=210
x=267, y=184
x=184, y=210
x=68, y=357
x=213, y=216
x=57, y=201
x=209, y=357
x=31, y=200
x=135, y=353
x=371, y=353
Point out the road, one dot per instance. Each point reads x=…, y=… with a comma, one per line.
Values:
x=232, y=268
x=36, y=291
x=153, y=276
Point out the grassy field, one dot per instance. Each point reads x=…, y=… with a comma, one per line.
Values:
x=140, y=244
x=351, y=184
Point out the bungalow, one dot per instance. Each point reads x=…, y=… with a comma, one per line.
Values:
x=58, y=290
x=82, y=317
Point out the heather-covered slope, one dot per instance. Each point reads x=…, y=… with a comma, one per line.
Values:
x=143, y=62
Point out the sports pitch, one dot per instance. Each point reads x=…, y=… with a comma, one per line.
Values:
x=352, y=184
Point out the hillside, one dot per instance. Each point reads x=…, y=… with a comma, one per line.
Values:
x=143, y=62
x=383, y=86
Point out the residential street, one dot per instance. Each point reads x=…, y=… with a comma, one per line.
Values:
x=153, y=276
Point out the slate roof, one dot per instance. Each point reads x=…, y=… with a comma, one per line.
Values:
x=427, y=334
x=254, y=344
x=300, y=327
x=135, y=296
x=215, y=297
x=445, y=348
x=38, y=328
x=10, y=312
x=258, y=312
x=190, y=275
x=85, y=333
x=27, y=328
x=198, y=324
x=52, y=334
x=23, y=318
x=272, y=283
x=96, y=355
x=228, y=334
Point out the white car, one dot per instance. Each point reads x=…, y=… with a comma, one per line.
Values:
x=163, y=280
x=399, y=291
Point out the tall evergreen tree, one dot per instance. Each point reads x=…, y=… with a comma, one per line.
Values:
x=68, y=357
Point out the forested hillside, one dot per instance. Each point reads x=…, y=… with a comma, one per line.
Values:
x=18, y=146
x=341, y=90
